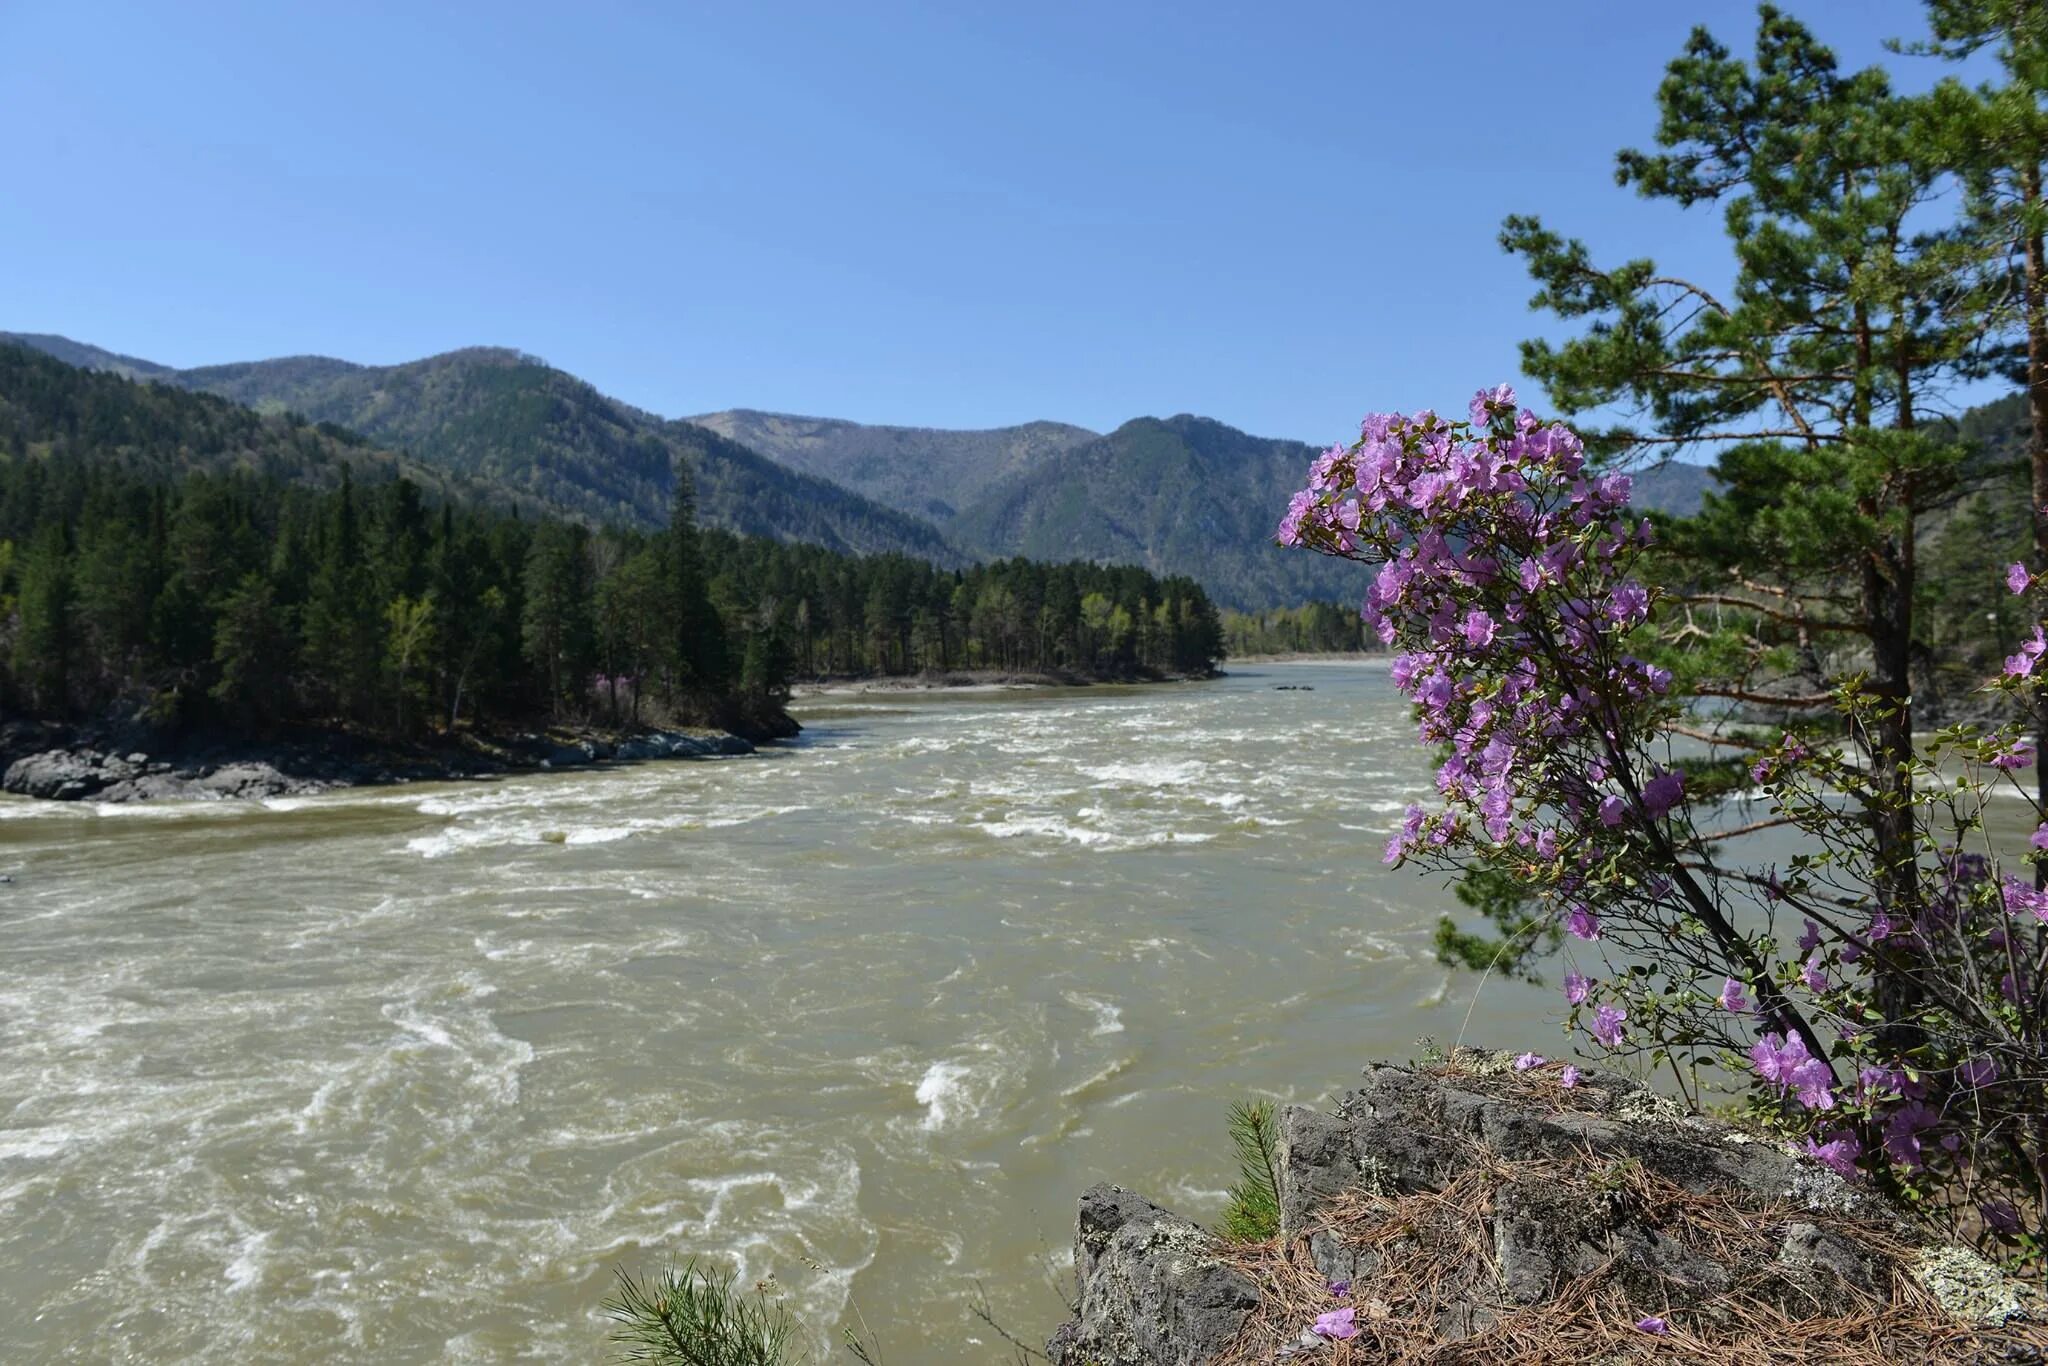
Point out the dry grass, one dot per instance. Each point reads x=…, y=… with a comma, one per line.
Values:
x=1433, y=1263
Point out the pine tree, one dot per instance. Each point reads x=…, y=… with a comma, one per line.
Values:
x=1997, y=136
x=253, y=649
x=555, y=626
x=45, y=640
x=629, y=614
x=1809, y=377
x=341, y=626
x=702, y=663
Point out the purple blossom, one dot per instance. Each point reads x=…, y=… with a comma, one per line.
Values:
x=1663, y=792
x=1813, y=1085
x=1339, y=1289
x=1810, y=973
x=1569, y=1077
x=1731, y=998
x=1607, y=1022
x=1499, y=399
x=2017, y=755
x=1628, y=604
x=1338, y=1323
x=2020, y=896
x=1478, y=629
x=1977, y=1073
x=1874, y=1081
x=2000, y=1216
x=1902, y=1133
x=2039, y=839
x=1839, y=1152
x=1529, y=1060
x=1654, y=1326
x=1775, y=1056
x=1576, y=986
x=1809, y=938
x=2021, y=665
x=1612, y=811
x=2017, y=579
x=1582, y=923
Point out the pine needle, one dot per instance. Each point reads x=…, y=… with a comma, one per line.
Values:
x=693, y=1316
x=1253, y=1214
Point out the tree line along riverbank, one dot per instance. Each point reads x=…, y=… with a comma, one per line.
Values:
x=194, y=582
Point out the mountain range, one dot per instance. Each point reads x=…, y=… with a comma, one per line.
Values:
x=510, y=421
x=1177, y=495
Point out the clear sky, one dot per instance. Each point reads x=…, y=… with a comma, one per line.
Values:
x=960, y=214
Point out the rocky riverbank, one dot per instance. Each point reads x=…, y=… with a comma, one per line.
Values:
x=133, y=762
x=1469, y=1211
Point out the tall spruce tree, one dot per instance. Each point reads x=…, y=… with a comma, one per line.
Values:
x=341, y=626
x=45, y=638
x=702, y=661
x=555, y=624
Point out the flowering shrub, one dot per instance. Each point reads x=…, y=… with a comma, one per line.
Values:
x=1879, y=991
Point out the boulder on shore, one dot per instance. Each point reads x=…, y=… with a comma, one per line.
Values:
x=1467, y=1211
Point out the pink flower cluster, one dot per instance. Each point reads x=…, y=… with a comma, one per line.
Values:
x=1784, y=1062
x=1490, y=537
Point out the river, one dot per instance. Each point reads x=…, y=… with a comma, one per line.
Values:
x=403, y=1074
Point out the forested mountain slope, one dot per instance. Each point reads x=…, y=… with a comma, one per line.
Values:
x=55, y=414
x=1184, y=495
x=505, y=418
x=1180, y=495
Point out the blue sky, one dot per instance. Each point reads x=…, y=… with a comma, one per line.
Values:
x=950, y=215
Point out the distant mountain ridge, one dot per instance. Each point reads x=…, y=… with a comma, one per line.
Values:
x=505, y=418
x=1177, y=495
x=926, y=471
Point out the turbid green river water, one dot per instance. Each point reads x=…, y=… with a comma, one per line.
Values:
x=390, y=1075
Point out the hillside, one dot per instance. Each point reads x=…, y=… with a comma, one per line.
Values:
x=505, y=419
x=925, y=471
x=56, y=412
x=1183, y=495
x=1188, y=495
x=88, y=357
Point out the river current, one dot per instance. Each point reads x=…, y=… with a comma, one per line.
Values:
x=404, y=1074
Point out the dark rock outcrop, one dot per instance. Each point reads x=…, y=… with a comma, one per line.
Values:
x=1152, y=1288
x=128, y=763
x=1454, y=1198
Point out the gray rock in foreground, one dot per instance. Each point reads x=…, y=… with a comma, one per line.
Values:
x=1152, y=1288
x=1156, y=1290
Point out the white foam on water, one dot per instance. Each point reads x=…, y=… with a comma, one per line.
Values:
x=1153, y=773
x=1185, y=1193
x=943, y=1092
x=1019, y=824
x=1109, y=1019
x=1101, y=1077
x=247, y=1267
x=27, y=1145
